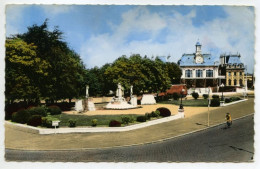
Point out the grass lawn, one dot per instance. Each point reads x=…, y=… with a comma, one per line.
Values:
x=84, y=120
x=192, y=102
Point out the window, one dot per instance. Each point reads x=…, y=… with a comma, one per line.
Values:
x=198, y=73
x=229, y=82
x=235, y=73
x=235, y=82
x=229, y=73
x=240, y=82
x=209, y=73
x=240, y=73
x=188, y=73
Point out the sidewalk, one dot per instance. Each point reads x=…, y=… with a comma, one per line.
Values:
x=15, y=139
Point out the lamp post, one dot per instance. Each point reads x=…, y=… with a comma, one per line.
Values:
x=222, y=88
x=208, y=103
x=182, y=91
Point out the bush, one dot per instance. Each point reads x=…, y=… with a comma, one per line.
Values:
x=164, y=112
x=21, y=116
x=125, y=119
x=175, y=96
x=141, y=118
x=227, y=100
x=155, y=114
x=54, y=110
x=42, y=111
x=205, y=96
x=195, y=95
x=215, y=102
x=35, y=120
x=47, y=122
x=72, y=123
x=234, y=99
x=148, y=116
x=94, y=122
x=114, y=123
x=214, y=96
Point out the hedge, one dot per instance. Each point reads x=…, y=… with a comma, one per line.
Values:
x=35, y=120
x=164, y=112
x=114, y=123
x=21, y=116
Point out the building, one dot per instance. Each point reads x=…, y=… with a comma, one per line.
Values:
x=233, y=69
x=199, y=70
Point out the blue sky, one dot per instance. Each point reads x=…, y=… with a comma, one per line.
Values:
x=101, y=33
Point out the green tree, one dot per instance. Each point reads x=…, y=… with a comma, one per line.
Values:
x=22, y=66
x=64, y=73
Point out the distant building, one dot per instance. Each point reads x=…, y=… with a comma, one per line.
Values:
x=199, y=69
x=233, y=69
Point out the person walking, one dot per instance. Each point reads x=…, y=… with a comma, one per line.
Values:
x=229, y=120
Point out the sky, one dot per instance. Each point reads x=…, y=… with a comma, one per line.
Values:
x=102, y=33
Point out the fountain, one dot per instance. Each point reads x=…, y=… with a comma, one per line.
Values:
x=119, y=101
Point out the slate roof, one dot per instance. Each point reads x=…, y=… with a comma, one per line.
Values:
x=233, y=59
x=189, y=60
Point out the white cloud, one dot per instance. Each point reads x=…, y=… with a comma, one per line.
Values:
x=56, y=9
x=230, y=34
x=13, y=16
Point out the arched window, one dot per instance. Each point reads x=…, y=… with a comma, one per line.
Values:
x=209, y=73
x=235, y=82
x=229, y=82
x=198, y=73
x=188, y=73
x=240, y=82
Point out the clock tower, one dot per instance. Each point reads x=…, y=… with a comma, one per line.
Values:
x=198, y=55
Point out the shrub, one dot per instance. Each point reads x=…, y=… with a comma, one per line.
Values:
x=227, y=100
x=215, y=102
x=35, y=120
x=148, y=116
x=164, y=112
x=155, y=114
x=94, y=122
x=234, y=99
x=54, y=110
x=21, y=116
x=125, y=119
x=141, y=118
x=175, y=96
x=72, y=123
x=205, y=96
x=214, y=96
x=42, y=111
x=47, y=122
x=114, y=123
x=195, y=95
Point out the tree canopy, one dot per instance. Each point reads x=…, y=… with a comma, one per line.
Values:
x=40, y=65
x=41, y=61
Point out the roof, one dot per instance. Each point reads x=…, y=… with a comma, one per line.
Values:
x=198, y=44
x=189, y=60
x=233, y=59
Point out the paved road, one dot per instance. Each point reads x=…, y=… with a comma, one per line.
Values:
x=235, y=144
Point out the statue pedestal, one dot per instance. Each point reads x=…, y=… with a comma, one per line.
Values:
x=181, y=113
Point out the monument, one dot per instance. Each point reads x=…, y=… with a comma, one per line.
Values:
x=119, y=101
x=89, y=104
x=148, y=99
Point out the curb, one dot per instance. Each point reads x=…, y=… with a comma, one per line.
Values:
x=145, y=143
x=91, y=129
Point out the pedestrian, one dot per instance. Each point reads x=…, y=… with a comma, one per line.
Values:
x=229, y=120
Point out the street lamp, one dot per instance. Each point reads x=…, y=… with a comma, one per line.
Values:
x=222, y=88
x=182, y=91
x=208, y=103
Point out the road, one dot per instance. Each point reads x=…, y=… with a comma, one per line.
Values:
x=216, y=144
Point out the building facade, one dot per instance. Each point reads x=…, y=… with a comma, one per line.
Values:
x=233, y=69
x=199, y=70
